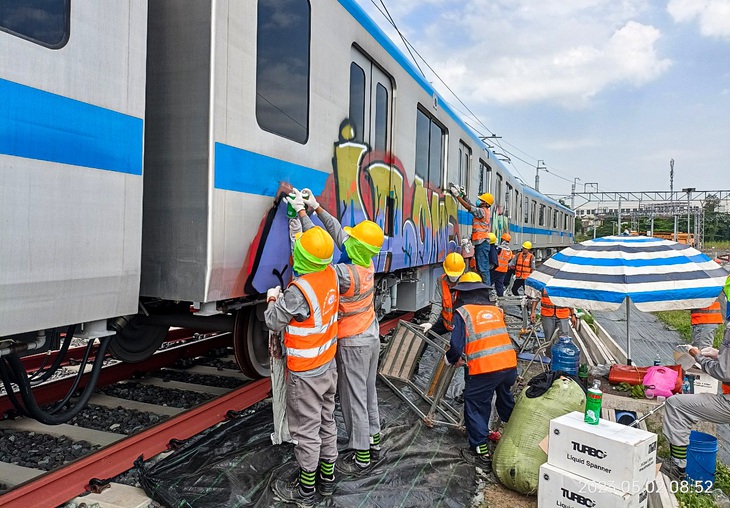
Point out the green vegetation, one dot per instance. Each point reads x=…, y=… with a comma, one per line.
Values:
x=680, y=320
x=697, y=500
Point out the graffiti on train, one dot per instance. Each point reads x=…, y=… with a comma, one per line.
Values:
x=419, y=220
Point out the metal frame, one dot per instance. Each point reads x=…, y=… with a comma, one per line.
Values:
x=399, y=363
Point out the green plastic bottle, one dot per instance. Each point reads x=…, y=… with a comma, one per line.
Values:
x=594, y=398
x=290, y=212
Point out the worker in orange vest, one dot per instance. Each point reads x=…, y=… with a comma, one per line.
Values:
x=704, y=323
x=553, y=317
x=479, y=227
x=504, y=256
x=307, y=313
x=523, y=265
x=480, y=334
x=442, y=306
x=359, y=333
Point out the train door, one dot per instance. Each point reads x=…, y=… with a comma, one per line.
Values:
x=371, y=108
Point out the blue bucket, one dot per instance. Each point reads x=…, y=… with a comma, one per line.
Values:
x=701, y=457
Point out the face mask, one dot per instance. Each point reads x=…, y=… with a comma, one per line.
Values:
x=479, y=202
x=452, y=279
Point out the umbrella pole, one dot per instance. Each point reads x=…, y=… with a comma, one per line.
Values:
x=628, y=341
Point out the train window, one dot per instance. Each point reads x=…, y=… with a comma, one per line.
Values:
x=45, y=22
x=541, y=221
x=498, y=191
x=533, y=212
x=555, y=219
x=518, y=203
x=429, y=149
x=381, y=118
x=508, y=201
x=485, y=176
x=527, y=210
x=357, y=100
x=462, y=174
x=282, y=68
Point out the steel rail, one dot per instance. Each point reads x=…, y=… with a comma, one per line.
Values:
x=59, y=486
x=55, y=390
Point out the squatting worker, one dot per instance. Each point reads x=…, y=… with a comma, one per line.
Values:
x=442, y=305
x=480, y=334
x=479, y=227
x=704, y=323
x=684, y=411
x=504, y=256
x=307, y=313
x=359, y=335
x=553, y=317
x=523, y=265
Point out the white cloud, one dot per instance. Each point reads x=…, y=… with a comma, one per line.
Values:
x=713, y=16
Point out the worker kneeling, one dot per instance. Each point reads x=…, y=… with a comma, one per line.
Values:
x=480, y=333
x=307, y=312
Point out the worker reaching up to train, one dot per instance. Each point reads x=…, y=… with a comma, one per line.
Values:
x=504, y=256
x=359, y=334
x=479, y=227
x=307, y=314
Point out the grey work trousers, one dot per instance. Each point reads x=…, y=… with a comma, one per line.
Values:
x=549, y=324
x=703, y=335
x=358, y=372
x=310, y=406
x=682, y=412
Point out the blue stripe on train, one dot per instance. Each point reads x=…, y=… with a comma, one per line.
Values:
x=40, y=125
x=243, y=171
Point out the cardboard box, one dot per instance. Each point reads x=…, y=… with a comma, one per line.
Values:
x=558, y=487
x=703, y=382
x=608, y=453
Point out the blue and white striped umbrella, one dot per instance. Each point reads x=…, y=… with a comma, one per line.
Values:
x=655, y=274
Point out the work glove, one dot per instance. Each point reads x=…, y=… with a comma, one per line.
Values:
x=709, y=352
x=309, y=199
x=273, y=294
x=295, y=227
x=426, y=327
x=297, y=202
x=462, y=191
x=446, y=360
x=454, y=190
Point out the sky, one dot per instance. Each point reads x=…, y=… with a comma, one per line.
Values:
x=607, y=91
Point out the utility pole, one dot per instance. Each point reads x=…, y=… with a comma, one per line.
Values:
x=671, y=195
x=619, y=217
x=572, y=194
x=689, y=191
x=540, y=165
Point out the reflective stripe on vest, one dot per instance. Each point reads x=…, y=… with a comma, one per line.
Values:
x=548, y=308
x=357, y=311
x=480, y=227
x=523, y=265
x=711, y=315
x=447, y=303
x=488, y=346
x=503, y=259
x=312, y=343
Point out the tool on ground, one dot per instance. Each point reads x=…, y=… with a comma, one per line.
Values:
x=647, y=415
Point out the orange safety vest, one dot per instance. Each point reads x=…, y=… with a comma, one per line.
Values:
x=488, y=346
x=548, y=308
x=523, y=265
x=480, y=227
x=503, y=259
x=357, y=311
x=711, y=315
x=447, y=303
x=312, y=343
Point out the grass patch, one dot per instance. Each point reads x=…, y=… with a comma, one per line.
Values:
x=680, y=321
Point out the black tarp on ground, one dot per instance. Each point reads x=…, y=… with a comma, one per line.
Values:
x=233, y=465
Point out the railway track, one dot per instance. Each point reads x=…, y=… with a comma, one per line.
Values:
x=99, y=455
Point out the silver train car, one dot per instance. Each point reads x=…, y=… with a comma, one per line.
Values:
x=147, y=147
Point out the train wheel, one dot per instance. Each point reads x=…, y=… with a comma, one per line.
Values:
x=251, y=344
x=137, y=341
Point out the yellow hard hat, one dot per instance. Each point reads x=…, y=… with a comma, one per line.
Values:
x=527, y=245
x=454, y=265
x=487, y=198
x=506, y=237
x=317, y=242
x=492, y=237
x=367, y=232
x=470, y=277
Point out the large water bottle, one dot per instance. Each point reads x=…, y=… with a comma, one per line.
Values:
x=566, y=356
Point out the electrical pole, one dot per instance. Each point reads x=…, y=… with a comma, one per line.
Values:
x=671, y=195
x=572, y=194
x=540, y=165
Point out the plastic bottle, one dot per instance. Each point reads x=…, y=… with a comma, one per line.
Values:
x=565, y=356
x=290, y=212
x=657, y=360
x=686, y=388
x=583, y=374
x=594, y=398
